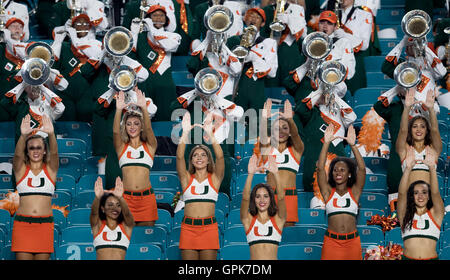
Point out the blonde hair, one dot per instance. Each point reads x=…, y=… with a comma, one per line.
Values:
x=123, y=131
x=210, y=167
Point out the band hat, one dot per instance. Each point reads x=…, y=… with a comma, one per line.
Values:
x=81, y=16
x=259, y=11
x=155, y=8
x=329, y=16
x=14, y=19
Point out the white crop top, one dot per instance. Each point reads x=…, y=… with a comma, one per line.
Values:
x=420, y=157
x=423, y=226
x=200, y=191
x=40, y=184
x=263, y=233
x=285, y=159
x=345, y=204
x=111, y=238
x=136, y=157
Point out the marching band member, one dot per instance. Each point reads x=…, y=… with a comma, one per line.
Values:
x=204, y=54
x=13, y=11
x=315, y=116
x=260, y=63
x=78, y=60
x=289, y=43
x=179, y=15
x=236, y=9
x=154, y=49
x=341, y=50
x=95, y=10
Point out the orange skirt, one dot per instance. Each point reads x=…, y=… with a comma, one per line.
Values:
x=32, y=234
x=199, y=234
x=291, y=200
x=142, y=205
x=337, y=247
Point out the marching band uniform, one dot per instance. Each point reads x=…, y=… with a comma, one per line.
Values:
x=154, y=51
x=315, y=118
x=178, y=11
x=225, y=62
x=235, y=7
x=78, y=60
x=289, y=49
x=13, y=11
x=260, y=63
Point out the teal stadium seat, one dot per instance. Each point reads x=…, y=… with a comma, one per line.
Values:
x=392, y=3
x=390, y=15
x=60, y=219
x=377, y=79
x=163, y=128
x=77, y=130
x=62, y=199
x=143, y=252
x=87, y=182
x=444, y=254
x=7, y=147
x=374, y=200
x=308, y=216
x=173, y=252
x=368, y=95
x=178, y=63
x=279, y=95
x=394, y=235
x=183, y=78
x=371, y=234
x=164, y=220
x=304, y=199
x=235, y=252
x=361, y=110
x=6, y=182
x=76, y=251
x=377, y=165
x=300, y=252
x=65, y=182
x=165, y=182
x=234, y=218
x=164, y=164
x=235, y=234
x=83, y=199
x=376, y=183
x=223, y=203
x=149, y=235
x=70, y=165
x=173, y=238
x=7, y=129
x=387, y=45
x=240, y=182
x=72, y=146
x=303, y=234
x=373, y=63
x=77, y=235
x=79, y=217
x=6, y=221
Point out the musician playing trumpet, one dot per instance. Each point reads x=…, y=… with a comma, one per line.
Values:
x=260, y=63
x=78, y=60
x=154, y=50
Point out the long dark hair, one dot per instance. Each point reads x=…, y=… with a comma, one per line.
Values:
x=409, y=138
x=101, y=214
x=351, y=165
x=44, y=142
x=273, y=208
x=411, y=206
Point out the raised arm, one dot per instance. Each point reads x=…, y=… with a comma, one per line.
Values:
x=322, y=178
x=118, y=193
x=361, y=171
x=403, y=131
x=53, y=160
x=183, y=173
x=438, y=209
x=95, y=206
x=436, y=141
x=19, y=164
x=410, y=161
x=273, y=168
x=148, y=130
x=219, y=169
x=120, y=105
x=288, y=114
x=246, y=218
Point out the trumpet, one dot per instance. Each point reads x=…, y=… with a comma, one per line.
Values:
x=143, y=8
x=330, y=74
x=247, y=40
x=118, y=43
x=208, y=82
x=407, y=74
x=416, y=24
x=35, y=71
x=41, y=50
x=316, y=46
x=218, y=19
x=123, y=78
x=337, y=5
x=276, y=24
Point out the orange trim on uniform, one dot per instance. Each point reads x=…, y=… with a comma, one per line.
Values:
x=291, y=151
x=432, y=218
x=144, y=145
x=123, y=151
x=211, y=182
x=161, y=55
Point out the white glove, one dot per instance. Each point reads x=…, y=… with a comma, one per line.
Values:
x=60, y=34
x=135, y=26
x=284, y=18
x=339, y=33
